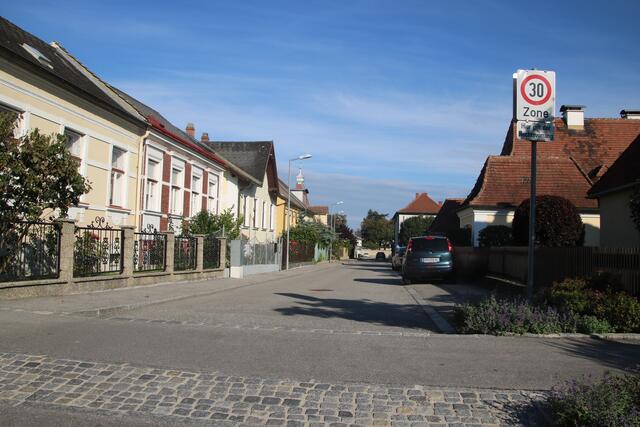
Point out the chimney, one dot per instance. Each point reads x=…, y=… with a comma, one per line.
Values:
x=417, y=194
x=573, y=116
x=204, y=137
x=191, y=130
x=630, y=114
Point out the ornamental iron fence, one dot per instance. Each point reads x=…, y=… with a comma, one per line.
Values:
x=30, y=250
x=149, y=250
x=211, y=252
x=97, y=249
x=185, y=252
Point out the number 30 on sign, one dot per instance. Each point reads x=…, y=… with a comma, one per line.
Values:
x=535, y=95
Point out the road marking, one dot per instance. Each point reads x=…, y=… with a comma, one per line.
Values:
x=431, y=312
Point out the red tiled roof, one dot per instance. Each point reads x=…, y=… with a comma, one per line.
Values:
x=624, y=172
x=504, y=181
x=422, y=204
x=567, y=167
x=319, y=210
x=599, y=144
x=447, y=219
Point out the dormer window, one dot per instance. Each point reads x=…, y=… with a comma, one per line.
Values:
x=39, y=56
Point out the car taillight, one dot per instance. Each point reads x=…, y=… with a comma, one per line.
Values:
x=409, y=246
x=449, y=245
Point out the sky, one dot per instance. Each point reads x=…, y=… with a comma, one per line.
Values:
x=390, y=97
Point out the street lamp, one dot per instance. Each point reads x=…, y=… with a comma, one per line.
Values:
x=333, y=226
x=300, y=157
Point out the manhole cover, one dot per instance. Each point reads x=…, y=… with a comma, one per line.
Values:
x=321, y=290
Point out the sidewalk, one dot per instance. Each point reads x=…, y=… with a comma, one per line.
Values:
x=104, y=303
x=439, y=300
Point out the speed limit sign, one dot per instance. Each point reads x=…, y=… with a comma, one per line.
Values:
x=535, y=95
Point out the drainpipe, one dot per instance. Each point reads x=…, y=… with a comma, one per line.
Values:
x=142, y=149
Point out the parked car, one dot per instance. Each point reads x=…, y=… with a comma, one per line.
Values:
x=427, y=257
x=396, y=260
x=380, y=256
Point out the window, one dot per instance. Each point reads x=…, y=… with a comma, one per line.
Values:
x=264, y=215
x=117, y=176
x=272, y=217
x=196, y=198
x=212, y=194
x=151, y=197
x=176, y=190
x=255, y=212
x=20, y=128
x=74, y=143
x=245, y=211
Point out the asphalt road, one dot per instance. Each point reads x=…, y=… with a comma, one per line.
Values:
x=353, y=323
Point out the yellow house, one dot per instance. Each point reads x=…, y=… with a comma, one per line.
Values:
x=281, y=209
x=53, y=92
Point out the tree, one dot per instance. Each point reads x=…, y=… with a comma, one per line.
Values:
x=557, y=223
x=38, y=176
x=495, y=235
x=414, y=226
x=205, y=222
x=376, y=230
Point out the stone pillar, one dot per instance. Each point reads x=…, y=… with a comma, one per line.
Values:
x=223, y=252
x=169, y=251
x=199, y=252
x=128, y=237
x=67, y=242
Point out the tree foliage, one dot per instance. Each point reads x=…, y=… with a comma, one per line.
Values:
x=376, y=230
x=495, y=235
x=38, y=176
x=205, y=222
x=414, y=226
x=312, y=232
x=557, y=223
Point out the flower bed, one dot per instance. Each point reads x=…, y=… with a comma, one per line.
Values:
x=611, y=401
x=571, y=306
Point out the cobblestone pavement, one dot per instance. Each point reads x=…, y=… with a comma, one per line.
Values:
x=229, y=400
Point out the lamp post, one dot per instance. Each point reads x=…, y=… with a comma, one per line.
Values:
x=332, y=225
x=300, y=157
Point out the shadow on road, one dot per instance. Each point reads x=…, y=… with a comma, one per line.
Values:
x=396, y=281
x=614, y=354
x=361, y=310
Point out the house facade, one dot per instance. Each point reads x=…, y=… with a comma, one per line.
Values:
x=52, y=92
x=282, y=212
x=582, y=151
x=257, y=185
x=421, y=205
x=614, y=192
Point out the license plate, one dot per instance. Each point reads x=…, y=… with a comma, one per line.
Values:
x=430, y=260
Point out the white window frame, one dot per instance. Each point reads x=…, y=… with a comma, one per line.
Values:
x=255, y=213
x=152, y=198
x=176, y=206
x=264, y=215
x=272, y=218
x=196, y=193
x=245, y=211
x=212, y=199
x=118, y=178
x=78, y=144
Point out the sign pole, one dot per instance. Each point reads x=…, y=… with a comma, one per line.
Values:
x=532, y=223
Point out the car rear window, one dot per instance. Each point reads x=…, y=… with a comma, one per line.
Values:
x=435, y=245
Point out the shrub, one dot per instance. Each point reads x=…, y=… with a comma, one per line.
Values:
x=605, y=281
x=611, y=401
x=593, y=325
x=500, y=316
x=621, y=310
x=495, y=235
x=570, y=296
x=557, y=223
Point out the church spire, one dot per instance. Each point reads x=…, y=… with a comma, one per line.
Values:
x=300, y=180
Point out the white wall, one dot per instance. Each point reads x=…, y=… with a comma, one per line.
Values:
x=618, y=230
